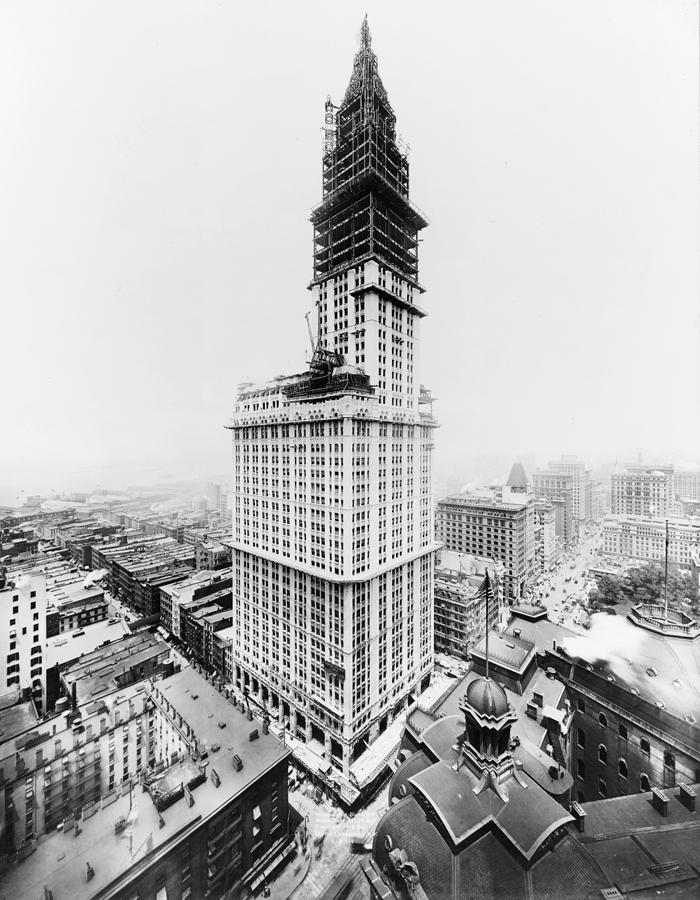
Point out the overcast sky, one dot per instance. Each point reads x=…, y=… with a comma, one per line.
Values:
x=158, y=163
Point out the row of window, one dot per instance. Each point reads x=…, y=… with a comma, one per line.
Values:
x=644, y=745
x=644, y=782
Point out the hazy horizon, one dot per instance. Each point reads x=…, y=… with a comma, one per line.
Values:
x=157, y=182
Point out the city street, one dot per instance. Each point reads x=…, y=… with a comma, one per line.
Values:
x=331, y=835
x=560, y=589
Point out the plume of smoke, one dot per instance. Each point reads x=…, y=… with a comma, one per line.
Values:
x=611, y=639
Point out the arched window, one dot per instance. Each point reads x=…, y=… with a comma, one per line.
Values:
x=580, y=737
x=669, y=760
x=644, y=783
x=622, y=768
x=603, y=720
x=602, y=787
x=602, y=753
x=644, y=745
x=622, y=731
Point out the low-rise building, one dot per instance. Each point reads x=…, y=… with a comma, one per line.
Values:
x=644, y=538
x=210, y=817
x=460, y=617
x=198, y=586
x=212, y=554
x=138, y=568
x=635, y=710
x=473, y=810
x=74, y=606
x=200, y=625
x=222, y=658
x=126, y=661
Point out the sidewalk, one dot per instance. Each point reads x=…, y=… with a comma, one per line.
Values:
x=291, y=876
x=376, y=757
x=338, y=829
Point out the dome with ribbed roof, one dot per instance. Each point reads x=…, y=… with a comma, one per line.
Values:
x=487, y=698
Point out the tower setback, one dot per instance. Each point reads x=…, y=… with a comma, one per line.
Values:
x=332, y=516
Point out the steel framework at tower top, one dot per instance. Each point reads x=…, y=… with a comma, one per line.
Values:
x=365, y=210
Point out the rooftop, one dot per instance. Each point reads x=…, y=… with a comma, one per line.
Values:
x=60, y=858
x=96, y=672
x=69, y=646
x=477, y=501
x=16, y=719
x=72, y=592
x=514, y=653
x=626, y=842
x=639, y=667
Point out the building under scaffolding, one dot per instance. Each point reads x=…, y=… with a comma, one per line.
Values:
x=365, y=209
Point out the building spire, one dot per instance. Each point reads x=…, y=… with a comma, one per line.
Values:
x=365, y=36
x=365, y=78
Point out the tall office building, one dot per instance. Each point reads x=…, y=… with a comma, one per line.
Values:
x=686, y=484
x=558, y=487
x=642, y=491
x=497, y=526
x=332, y=521
x=23, y=602
x=581, y=484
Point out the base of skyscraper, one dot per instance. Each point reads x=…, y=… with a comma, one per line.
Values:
x=349, y=774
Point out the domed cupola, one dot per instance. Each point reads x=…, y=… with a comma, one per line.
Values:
x=486, y=750
x=488, y=716
x=487, y=698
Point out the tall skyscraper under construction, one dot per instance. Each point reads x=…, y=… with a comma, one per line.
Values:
x=332, y=515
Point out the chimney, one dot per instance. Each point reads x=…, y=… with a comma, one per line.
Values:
x=659, y=801
x=579, y=814
x=687, y=797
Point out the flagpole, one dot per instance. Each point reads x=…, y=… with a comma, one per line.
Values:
x=131, y=823
x=487, y=623
x=666, y=577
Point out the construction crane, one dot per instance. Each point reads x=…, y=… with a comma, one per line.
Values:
x=311, y=334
